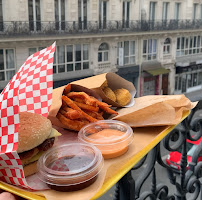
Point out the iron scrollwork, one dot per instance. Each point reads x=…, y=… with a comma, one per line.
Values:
x=187, y=183
x=38, y=28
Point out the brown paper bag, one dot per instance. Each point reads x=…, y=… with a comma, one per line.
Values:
x=114, y=82
x=155, y=110
x=57, y=101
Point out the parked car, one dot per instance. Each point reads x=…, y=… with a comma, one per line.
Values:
x=174, y=157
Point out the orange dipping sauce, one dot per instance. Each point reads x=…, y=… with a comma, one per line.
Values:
x=106, y=137
x=112, y=141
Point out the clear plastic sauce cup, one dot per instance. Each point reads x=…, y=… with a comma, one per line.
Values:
x=111, y=137
x=70, y=167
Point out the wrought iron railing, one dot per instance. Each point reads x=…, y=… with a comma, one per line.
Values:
x=187, y=186
x=13, y=28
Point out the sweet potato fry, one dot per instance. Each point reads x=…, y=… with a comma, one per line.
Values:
x=99, y=117
x=71, y=124
x=108, y=110
x=64, y=104
x=88, y=100
x=86, y=106
x=71, y=104
x=63, y=112
x=65, y=107
x=94, y=114
x=99, y=102
x=105, y=107
x=84, y=120
x=101, y=113
x=70, y=113
x=67, y=89
x=78, y=99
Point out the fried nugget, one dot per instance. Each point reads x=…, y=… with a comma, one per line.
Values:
x=109, y=93
x=123, y=96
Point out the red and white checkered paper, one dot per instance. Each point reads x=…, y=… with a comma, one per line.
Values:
x=29, y=90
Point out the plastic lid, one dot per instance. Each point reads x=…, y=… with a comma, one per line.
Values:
x=112, y=137
x=70, y=164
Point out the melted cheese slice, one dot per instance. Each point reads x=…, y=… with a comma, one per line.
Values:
x=54, y=133
x=36, y=157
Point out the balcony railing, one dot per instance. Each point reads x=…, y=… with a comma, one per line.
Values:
x=13, y=28
x=188, y=185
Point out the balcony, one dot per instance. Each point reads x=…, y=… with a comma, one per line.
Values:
x=34, y=28
x=184, y=178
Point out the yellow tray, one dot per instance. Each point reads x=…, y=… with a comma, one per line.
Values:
x=146, y=139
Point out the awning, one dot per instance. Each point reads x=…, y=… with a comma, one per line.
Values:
x=154, y=68
x=155, y=72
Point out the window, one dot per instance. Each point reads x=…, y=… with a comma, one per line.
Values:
x=188, y=79
x=177, y=11
x=7, y=64
x=152, y=10
x=103, y=14
x=165, y=11
x=1, y=16
x=35, y=49
x=195, y=79
x=71, y=58
x=128, y=52
x=180, y=83
x=189, y=45
x=82, y=14
x=201, y=12
x=34, y=15
x=103, y=52
x=200, y=78
x=166, y=46
x=1, y=11
x=149, y=49
x=176, y=82
x=195, y=11
x=126, y=14
x=60, y=14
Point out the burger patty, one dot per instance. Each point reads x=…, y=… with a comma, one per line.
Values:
x=47, y=144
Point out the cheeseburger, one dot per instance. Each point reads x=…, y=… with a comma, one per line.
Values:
x=35, y=135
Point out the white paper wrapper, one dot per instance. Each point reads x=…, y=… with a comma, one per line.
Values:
x=29, y=90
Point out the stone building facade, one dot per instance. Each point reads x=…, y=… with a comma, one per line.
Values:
x=157, y=45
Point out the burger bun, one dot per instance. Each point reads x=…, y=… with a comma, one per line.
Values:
x=33, y=130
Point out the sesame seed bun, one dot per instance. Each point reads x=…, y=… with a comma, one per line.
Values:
x=30, y=169
x=33, y=130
